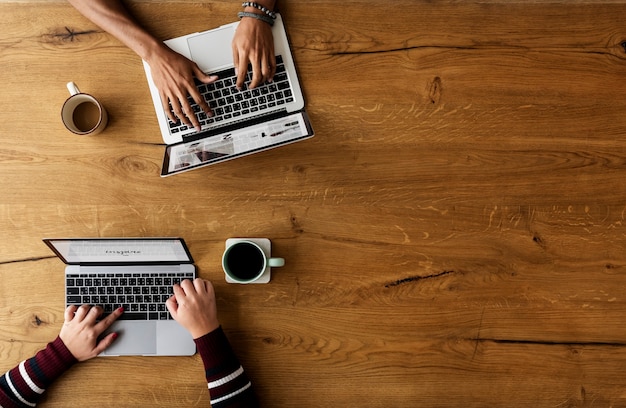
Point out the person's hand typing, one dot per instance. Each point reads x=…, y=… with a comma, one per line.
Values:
x=80, y=331
x=193, y=306
x=253, y=44
x=173, y=75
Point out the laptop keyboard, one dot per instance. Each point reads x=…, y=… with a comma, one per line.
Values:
x=141, y=295
x=228, y=103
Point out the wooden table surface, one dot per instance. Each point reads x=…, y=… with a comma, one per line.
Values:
x=454, y=233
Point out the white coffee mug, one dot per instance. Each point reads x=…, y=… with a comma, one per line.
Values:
x=83, y=114
x=249, y=260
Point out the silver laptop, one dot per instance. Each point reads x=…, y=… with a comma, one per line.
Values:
x=244, y=122
x=137, y=274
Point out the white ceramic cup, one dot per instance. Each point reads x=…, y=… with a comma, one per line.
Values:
x=245, y=261
x=83, y=114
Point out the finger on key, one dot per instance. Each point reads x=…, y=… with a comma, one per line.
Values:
x=93, y=314
x=272, y=65
x=184, y=112
x=81, y=312
x=172, y=305
x=69, y=312
x=268, y=63
x=188, y=110
x=165, y=101
x=242, y=71
x=205, y=79
x=199, y=99
x=105, y=323
x=257, y=74
x=178, y=112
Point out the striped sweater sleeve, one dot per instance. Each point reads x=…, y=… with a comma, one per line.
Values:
x=229, y=385
x=23, y=385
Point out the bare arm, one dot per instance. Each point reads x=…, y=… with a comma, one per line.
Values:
x=113, y=17
x=254, y=44
x=172, y=73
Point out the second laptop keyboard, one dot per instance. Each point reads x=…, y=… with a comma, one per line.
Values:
x=227, y=102
x=141, y=295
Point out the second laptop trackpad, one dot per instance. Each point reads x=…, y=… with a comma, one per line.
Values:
x=134, y=338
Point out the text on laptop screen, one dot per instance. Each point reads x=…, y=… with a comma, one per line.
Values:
x=76, y=251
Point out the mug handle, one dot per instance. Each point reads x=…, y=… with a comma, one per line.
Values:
x=275, y=262
x=71, y=86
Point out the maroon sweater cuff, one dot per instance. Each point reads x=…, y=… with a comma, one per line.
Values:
x=215, y=349
x=53, y=361
x=23, y=385
x=229, y=386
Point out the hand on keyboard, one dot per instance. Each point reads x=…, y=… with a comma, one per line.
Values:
x=173, y=75
x=230, y=104
x=81, y=330
x=253, y=44
x=193, y=306
x=141, y=295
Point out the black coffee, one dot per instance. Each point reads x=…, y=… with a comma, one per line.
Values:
x=244, y=261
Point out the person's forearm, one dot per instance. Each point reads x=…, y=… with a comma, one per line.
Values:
x=22, y=386
x=113, y=17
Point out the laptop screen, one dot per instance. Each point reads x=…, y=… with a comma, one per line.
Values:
x=213, y=148
x=103, y=251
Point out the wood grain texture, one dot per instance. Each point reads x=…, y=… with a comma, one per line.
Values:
x=454, y=233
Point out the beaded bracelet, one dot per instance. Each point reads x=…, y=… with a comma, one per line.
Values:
x=261, y=17
x=257, y=6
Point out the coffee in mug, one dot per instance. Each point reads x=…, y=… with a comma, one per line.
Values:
x=82, y=113
x=244, y=261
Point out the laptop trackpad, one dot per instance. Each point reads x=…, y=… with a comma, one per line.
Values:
x=212, y=50
x=134, y=338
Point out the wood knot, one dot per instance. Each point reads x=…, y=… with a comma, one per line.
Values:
x=623, y=44
x=539, y=241
x=295, y=225
x=133, y=164
x=435, y=90
x=66, y=34
x=299, y=169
